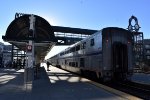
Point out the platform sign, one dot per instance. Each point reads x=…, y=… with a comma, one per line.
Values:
x=30, y=54
x=29, y=48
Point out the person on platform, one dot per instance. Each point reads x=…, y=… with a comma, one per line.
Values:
x=48, y=64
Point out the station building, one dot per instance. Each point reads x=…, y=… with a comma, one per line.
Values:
x=7, y=55
x=147, y=51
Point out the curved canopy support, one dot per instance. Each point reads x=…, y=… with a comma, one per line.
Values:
x=18, y=34
x=18, y=30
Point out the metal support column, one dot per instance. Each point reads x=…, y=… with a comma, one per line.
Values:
x=30, y=61
x=139, y=49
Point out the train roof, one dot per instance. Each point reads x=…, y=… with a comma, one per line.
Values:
x=103, y=30
x=115, y=28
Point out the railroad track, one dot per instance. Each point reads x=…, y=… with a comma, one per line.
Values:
x=136, y=89
x=129, y=87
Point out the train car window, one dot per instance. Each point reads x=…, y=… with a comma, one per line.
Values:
x=81, y=62
x=81, y=46
x=77, y=47
x=73, y=49
x=84, y=45
x=92, y=42
x=65, y=62
x=73, y=64
x=69, y=63
x=76, y=64
x=61, y=54
x=147, y=51
x=148, y=57
x=147, y=46
x=67, y=51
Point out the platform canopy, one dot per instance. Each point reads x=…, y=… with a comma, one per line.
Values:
x=18, y=32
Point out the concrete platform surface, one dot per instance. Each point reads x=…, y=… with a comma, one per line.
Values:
x=55, y=84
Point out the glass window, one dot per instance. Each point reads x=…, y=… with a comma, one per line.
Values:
x=147, y=46
x=84, y=45
x=65, y=62
x=147, y=51
x=73, y=64
x=69, y=63
x=67, y=51
x=73, y=49
x=77, y=47
x=148, y=57
x=92, y=42
x=81, y=62
x=76, y=64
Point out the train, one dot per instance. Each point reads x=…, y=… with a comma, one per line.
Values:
x=105, y=55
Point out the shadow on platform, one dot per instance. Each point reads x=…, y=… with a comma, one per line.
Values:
x=50, y=86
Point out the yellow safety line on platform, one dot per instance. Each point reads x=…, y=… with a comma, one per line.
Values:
x=114, y=91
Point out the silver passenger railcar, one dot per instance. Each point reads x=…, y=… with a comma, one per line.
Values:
x=107, y=54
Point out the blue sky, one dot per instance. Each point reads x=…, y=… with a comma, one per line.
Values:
x=89, y=14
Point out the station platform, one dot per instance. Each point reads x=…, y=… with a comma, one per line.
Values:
x=55, y=84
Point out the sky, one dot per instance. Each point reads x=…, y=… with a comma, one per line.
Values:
x=88, y=14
